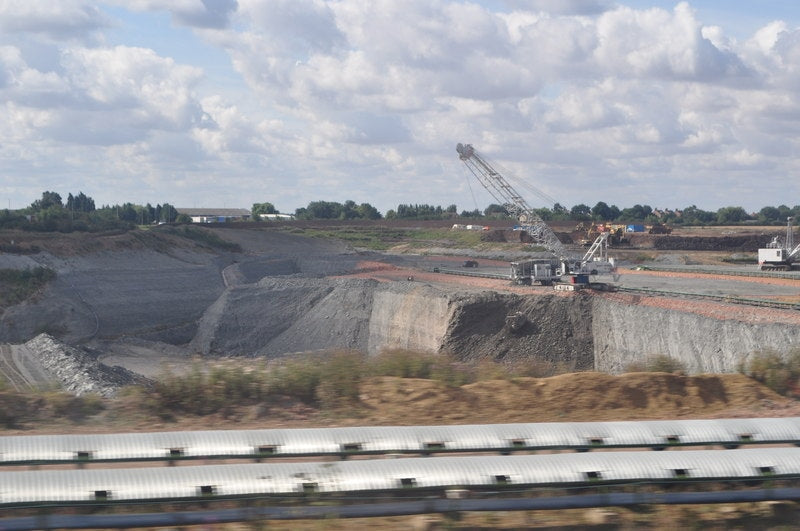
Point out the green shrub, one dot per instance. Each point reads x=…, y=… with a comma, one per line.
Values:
x=16, y=285
x=487, y=369
x=297, y=377
x=781, y=373
x=191, y=393
x=664, y=363
x=536, y=368
x=657, y=363
x=340, y=379
x=636, y=366
x=402, y=363
x=72, y=407
x=16, y=408
x=235, y=382
x=452, y=372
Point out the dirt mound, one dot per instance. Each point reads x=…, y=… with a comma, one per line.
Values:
x=588, y=396
x=749, y=243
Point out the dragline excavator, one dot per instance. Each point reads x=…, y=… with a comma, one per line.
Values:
x=780, y=255
x=566, y=266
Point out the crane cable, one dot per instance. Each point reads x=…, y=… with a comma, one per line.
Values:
x=469, y=185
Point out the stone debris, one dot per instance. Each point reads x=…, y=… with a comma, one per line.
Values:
x=76, y=370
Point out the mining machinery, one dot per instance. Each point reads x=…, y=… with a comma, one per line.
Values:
x=780, y=255
x=576, y=268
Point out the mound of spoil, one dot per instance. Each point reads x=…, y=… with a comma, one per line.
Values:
x=585, y=396
x=394, y=401
x=749, y=243
x=78, y=371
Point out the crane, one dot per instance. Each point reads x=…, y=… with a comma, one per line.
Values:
x=595, y=261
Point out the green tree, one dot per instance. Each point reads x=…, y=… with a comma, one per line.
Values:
x=636, y=213
x=559, y=213
x=80, y=203
x=263, y=208
x=728, y=215
x=580, y=212
x=769, y=215
x=127, y=212
x=168, y=213
x=367, y=211
x=319, y=210
x=602, y=212
x=48, y=200
x=420, y=211
x=695, y=216
x=349, y=210
x=544, y=213
x=495, y=211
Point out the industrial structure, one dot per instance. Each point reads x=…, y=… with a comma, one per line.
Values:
x=344, y=442
x=565, y=265
x=215, y=215
x=412, y=470
x=780, y=255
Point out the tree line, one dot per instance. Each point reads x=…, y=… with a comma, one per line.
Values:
x=51, y=213
x=600, y=212
x=79, y=213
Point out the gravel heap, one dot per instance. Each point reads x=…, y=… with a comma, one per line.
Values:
x=78, y=371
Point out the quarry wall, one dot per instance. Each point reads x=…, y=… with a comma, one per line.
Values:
x=415, y=319
x=285, y=297
x=624, y=334
x=576, y=332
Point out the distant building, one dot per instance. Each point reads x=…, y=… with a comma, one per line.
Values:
x=277, y=217
x=215, y=215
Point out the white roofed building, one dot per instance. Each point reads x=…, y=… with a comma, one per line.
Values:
x=215, y=215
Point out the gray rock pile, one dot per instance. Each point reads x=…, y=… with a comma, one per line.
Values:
x=78, y=371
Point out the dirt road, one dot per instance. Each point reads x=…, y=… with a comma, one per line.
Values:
x=20, y=370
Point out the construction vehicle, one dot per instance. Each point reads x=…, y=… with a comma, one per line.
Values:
x=780, y=255
x=659, y=228
x=576, y=269
x=542, y=272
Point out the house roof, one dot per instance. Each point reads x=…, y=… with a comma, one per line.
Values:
x=214, y=212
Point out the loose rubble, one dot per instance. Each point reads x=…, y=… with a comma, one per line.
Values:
x=77, y=370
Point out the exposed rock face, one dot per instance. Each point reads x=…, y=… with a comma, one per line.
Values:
x=280, y=297
x=279, y=316
x=414, y=319
x=275, y=317
x=544, y=327
x=624, y=334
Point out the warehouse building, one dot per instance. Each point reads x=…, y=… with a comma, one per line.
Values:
x=215, y=215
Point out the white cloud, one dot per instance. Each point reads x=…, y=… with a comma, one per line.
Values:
x=365, y=100
x=155, y=90
x=656, y=43
x=563, y=7
x=213, y=14
x=63, y=19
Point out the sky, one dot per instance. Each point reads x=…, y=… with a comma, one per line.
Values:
x=226, y=103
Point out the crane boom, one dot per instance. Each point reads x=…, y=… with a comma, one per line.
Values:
x=594, y=262
x=516, y=205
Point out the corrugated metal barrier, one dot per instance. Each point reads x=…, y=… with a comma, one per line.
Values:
x=41, y=487
x=344, y=442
